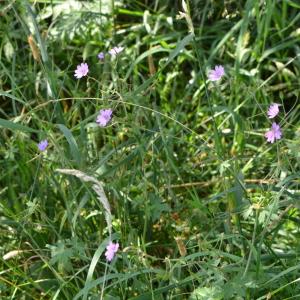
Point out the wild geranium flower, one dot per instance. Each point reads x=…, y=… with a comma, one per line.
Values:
x=216, y=74
x=274, y=133
x=81, y=70
x=42, y=145
x=115, y=50
x=104, y=117
x=273, y=110
x=101, y=55
x=111, y=250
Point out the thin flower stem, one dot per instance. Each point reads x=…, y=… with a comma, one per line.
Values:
x=220, y=150
x=252, y=242
x=124, y=102
x=103, y=285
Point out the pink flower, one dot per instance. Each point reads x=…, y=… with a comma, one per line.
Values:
x=104, y=117
x=216, y=74
x=81, y=70
x=273, y=110
x=42, y=145
x=115, y=50
x=111, y=250
x=274, y=133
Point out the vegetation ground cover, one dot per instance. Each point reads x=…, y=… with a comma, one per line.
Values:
x=131, y=167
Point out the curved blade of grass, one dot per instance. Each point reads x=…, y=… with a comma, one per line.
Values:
x=243, y=31
x=184, y=42
x=279, y=289
x=98, y=189
x=292, y=3
x=94, y=261
x=283, y=273
x=215, y=50
x=277, y=48
x=37, y=33
x=72, y=143
x=120, y=276
x=15, y=126
x=4, y=94
x=149, y=295
x=143, y=56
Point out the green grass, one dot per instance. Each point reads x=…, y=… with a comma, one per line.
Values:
x=202, y=206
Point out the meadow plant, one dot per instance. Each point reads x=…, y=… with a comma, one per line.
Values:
x=98, y=189
x=202, y=206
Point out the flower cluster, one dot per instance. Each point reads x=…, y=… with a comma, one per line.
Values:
x=83, y=68
x=105, y=115
x=275, y=131
x=113, y=52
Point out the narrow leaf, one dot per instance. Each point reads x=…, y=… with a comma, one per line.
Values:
x=72, y=143
x=15, y=126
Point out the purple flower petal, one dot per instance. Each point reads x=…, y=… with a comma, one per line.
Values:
x=115, y=50
x=216, y=74
x=42, y=145
x=111, y=250
x=269, y=135
x=273, y=110
x=101, y=55
x=104, y=117
x=81, y=70
x=274, y=133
